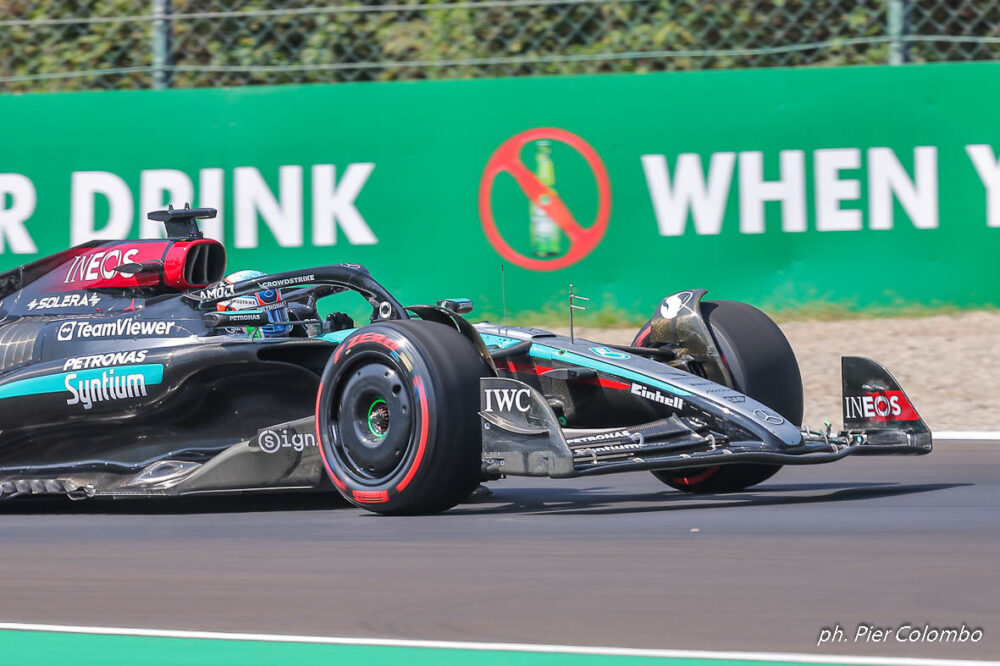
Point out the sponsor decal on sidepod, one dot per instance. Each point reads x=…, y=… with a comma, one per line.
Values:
x=91, y=385
x=106, y=360
x=121, y=328
x=67, y=301
x=107, y=387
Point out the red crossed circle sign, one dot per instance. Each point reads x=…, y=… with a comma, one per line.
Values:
x=507, y=159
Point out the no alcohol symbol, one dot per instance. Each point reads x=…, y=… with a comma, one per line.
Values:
x=545, y=201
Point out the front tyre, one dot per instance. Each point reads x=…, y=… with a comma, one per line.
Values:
x=397, y=417
x=763, y=366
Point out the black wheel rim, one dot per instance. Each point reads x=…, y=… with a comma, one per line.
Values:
x=373, y=424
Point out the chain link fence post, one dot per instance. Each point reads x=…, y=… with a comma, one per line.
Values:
x=897, y=32
x=161, y=44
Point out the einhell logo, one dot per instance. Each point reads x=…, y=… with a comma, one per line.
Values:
x=656, y=396
x=550, y=235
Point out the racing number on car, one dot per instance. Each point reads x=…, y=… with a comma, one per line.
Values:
x=507, y=159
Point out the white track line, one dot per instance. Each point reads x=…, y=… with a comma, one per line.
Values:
x=979, y=435
x=504, y=647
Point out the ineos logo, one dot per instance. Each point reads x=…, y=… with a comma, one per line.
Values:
x=90, y=267
x=507, y=399
x=874, y=405
x=768, y=417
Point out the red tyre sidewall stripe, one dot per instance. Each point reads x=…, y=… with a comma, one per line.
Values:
x=389, y=346
x=643, y=332
x=370, y=496
x=418, y=383
x=697, y=478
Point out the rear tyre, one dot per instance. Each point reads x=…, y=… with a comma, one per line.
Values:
x=397, y=417
x=763, y=366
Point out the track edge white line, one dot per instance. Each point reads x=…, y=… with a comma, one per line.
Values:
x=805, y=658
x=976, y=435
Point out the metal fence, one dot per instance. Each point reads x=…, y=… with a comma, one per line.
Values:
x=108, y=44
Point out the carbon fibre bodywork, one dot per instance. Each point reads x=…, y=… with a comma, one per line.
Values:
x=125, y=389
x=588, y=408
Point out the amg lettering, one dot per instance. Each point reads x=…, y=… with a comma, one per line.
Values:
x=656, y=396
x=219, y=291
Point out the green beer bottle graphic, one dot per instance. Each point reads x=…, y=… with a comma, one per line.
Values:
x=543, y=231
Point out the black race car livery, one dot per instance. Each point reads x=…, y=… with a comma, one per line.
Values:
x=123, y=373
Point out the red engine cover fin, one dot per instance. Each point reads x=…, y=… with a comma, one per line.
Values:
x=187, y=264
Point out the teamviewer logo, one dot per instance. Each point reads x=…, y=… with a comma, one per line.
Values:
x=66, y=331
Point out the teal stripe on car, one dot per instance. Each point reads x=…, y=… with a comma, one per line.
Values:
x=337, y=336
x=553, y=354
x=500, y=341
x=152, y=374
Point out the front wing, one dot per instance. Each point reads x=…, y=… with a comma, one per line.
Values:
x=522, y=435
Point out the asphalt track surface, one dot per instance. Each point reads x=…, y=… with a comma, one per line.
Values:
x=613, y=561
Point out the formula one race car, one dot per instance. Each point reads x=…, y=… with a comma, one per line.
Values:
x=133, y=368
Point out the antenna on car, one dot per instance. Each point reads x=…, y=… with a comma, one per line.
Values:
x=573, y=306
x=503, y=297
x=180, y=222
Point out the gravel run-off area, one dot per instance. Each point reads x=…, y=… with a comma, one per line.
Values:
x=949, y=365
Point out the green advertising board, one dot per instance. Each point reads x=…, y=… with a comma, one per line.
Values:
x=864, y=187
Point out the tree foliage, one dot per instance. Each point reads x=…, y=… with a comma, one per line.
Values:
x=106, y=44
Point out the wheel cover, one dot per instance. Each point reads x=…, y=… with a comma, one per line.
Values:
x=373, y=424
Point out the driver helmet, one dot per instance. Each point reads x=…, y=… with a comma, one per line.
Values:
x=268, y=300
